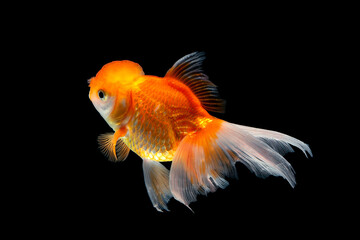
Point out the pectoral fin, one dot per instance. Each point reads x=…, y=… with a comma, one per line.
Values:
x=113, y=147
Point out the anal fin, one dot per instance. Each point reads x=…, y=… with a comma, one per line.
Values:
x=156, y=178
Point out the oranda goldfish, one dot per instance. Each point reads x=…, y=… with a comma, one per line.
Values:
x=166, y=119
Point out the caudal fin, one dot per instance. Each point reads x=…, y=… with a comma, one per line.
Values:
x=205, y=158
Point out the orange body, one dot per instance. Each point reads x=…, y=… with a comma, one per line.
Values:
x=166, y=119
x=150, y=114
x=164, y=112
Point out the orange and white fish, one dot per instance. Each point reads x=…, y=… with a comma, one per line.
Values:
x=166, y=119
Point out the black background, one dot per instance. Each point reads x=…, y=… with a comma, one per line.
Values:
x=269, y=63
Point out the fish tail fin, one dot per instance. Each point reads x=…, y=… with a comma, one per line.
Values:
x=203, y=159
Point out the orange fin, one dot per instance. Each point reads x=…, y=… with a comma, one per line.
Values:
x=200, y=165
x=203, y=159
x=188, y=71
x=156, y=178
x=113, y=147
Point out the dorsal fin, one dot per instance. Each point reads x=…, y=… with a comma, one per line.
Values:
x=188, y=70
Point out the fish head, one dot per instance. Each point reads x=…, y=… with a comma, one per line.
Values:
x=109, y=89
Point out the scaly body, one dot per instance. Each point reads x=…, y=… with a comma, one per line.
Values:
x=167, y=119
x=162, y=119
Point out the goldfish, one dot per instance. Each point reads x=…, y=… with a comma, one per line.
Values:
x=166, y=119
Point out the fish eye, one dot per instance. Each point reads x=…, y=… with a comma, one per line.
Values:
x=102, y=95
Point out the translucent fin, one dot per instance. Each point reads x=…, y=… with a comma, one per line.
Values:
x=188, y=70
x=278, y=141
x=156, y=178
x=114, y=149
x=200, y=165
x=203, y=160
